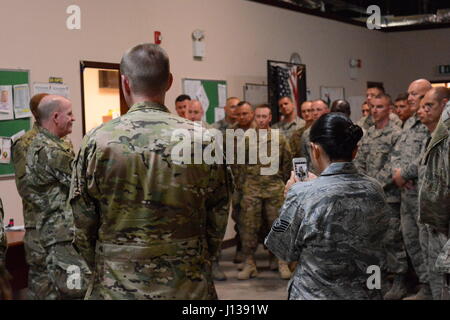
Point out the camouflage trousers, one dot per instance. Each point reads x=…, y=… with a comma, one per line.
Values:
x=67, y=271
x=257, y=212
x=396, y=260
x=411, y=230
x=235, y=213
x=39, y=284
x=432, y=243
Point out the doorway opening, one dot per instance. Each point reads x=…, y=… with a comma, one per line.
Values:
x=101, y=95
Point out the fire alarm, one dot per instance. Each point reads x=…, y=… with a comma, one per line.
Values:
x=158, y=37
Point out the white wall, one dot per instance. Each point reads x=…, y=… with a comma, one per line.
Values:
x=240, y=37
x=414, y=55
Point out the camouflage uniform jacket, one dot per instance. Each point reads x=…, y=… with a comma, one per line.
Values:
x=288, y=128
x=3, y=245
x=374, y=157
x=48, y=175
x=146, y=223
x=366, y=122
x=19, y=151
x=434, y=194
x=256, y=183
x=222, y=125
x=335, y=227
x=407, y=150
x=296, y=139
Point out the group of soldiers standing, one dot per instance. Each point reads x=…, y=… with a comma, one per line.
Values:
x=133, y=223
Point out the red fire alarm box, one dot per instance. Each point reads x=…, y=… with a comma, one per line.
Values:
x=158, y=37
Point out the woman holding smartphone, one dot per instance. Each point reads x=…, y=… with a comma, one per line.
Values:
x=333, y=225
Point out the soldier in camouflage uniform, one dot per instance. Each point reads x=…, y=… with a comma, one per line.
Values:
x=38, y=282
x=5, y=288
x=434, y=182
x=294, y=141
x=334, y=225
x=405, y=169
x=244, y=120
x=319, y=108
x=47, y=181
x=230, y=117
x=374, y=160
x=262, y=192
x=147, y=222
x=291, y=122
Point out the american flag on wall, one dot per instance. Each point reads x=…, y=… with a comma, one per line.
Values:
x=286, y=80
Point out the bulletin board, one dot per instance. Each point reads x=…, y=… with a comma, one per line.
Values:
x=211, y=93
x=9, y=128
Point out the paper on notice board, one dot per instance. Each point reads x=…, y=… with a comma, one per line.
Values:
x=22, y=101
x=203, y=98
x=6, y=103
x=5, y=150
x=191, y=87
x=219, y=114
x=222, y=94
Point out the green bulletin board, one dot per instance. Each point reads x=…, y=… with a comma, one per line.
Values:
x=215, y=90
x=9, y=128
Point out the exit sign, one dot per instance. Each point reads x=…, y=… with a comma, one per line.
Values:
x=444, y=69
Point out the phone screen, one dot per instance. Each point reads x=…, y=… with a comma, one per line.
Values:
x=300, y=167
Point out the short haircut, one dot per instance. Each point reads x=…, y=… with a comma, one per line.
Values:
x=441, y=93
x=229, y=98
x=342, y=106
x=385, y=96
x=147, y=67
x=290, y=99
x=34, y=103
x=240, y=104
x=317, y=100
x=376, y=86
x=337, y=135
x=47, y=106
x=263, y=106
x=402, y=96
x=182, y=97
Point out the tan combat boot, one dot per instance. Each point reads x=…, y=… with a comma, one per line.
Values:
x=249, y=270
x=283, y=268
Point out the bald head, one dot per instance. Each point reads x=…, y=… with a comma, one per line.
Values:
x=34, y=103
x=416, y=91
x=55, y=114
x=194, y=111
x=432, y=106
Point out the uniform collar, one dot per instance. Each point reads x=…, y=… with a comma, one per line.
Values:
x=148, y=105
x=59, y=141
x=339, y=168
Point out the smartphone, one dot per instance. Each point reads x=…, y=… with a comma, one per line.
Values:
x=300, y=166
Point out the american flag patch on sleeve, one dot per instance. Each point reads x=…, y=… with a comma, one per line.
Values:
x=281, y=226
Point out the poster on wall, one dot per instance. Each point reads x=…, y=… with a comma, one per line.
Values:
x=51, y=88
x=6, y=103
x=285, y=79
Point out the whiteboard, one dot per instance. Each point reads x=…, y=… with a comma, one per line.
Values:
x=256, y=94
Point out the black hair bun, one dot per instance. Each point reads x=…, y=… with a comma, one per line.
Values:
x=354, y=133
